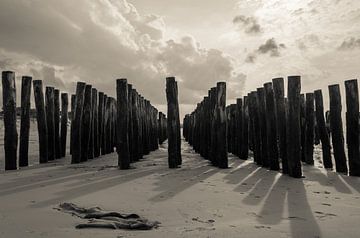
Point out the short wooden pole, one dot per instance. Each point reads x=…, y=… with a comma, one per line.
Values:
x=50, y=119
x=123, y=124
x=309, y=128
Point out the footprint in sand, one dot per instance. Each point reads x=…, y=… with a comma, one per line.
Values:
x=322, y=215
x=263, y=227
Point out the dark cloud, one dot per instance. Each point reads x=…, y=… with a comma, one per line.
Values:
x=350, y=44
x=249, y=24
x=270, y=47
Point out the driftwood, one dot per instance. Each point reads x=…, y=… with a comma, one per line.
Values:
x=98, y=218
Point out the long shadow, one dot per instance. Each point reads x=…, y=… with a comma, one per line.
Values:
x=239, y=173
x=271, y=212
x=330, y=179
x=261, y=188
x=170, y=186
x=250, y=180
x=113, y=180
x=353, y=182
x=302, y=220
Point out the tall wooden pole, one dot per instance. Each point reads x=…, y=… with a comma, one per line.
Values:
x=100, y=123
x=95, y=122
x=336, y=128
x=57, y=123
x=221, y=125
x=86, y=124
x=73, y=104
x=263, y=127
x=352, y=126
x=25, y=121
x=309, y=128
x=271, y=132
x=41, y=121
x=77, y=123
x=50, y=119
x=324, y=136
x=174, y=155
x=122, y=124
x=278, y=87
x=245, y=132
x=9, y=109
x=64, y=122
x=293, y=127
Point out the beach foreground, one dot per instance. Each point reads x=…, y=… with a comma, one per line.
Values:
x=197, y=200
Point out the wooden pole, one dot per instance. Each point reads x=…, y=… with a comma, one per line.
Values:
x=174, y=155
x=57, y=123
x=221, y=125
x=77, y=123
x=104, y=124
x=9, y=109
x=271, y=131
x=86, y=124
x=352, y=126
x=263, y=128
x=50, y=119
x=302, y=125
x=309, y=128
x=41, y=121
x=239, y=124
x=64, y=121
x=25, y=121
x=100, y=124
x=95, y=122
x=130, y=124
x=245, y=127
x=293, y=127
x=336, y=128
x=123, y=124
x=278, y=87
x=324, y=136
x=73, y=104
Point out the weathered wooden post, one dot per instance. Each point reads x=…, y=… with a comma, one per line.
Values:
x=57, y=123
x=122, y=124
x=293, y=127
x=64, y=121
x=337, y=133
x=100, y=124
x=174, y=155
x=302, y=125
x=271, y=131
x=86, y=124
x=130, y=123
x=95, y=122
x=77, y=123
x=104, y=125
x=324, y=136
x=245, y=131
x=239, y=129
x=221, y=125
x=136, y=126
x=140, y=148
x=25, y=121
x=309, y=128
x=352, y=126
x=50, y=119
x=255, y=132
x=41, y=121
x=278, y=87
x=9, y=109
x=263, y=127
x=213, y=138
x=73, y=104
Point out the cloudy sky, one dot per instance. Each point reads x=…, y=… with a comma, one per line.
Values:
x=242, y=42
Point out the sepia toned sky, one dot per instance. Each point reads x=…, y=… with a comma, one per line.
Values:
x=243, y=42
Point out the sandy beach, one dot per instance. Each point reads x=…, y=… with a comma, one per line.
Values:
x=197, y=200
